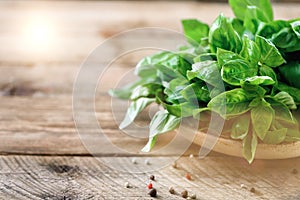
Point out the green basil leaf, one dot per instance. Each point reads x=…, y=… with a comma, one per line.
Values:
x=207, y=71
x=194, y=31
x=125, y=92
x=163, y=122
x=222, y=35
x=134, y=109
x=285, y=38
x=194, y=93
x=150, y=144
x=178, y=62
x=205, y=57
x=292, y=135
x=249, y=147
x=223, y=56
x=275, y=136
x=281, y=33
x=145, y=90
x=264, y=70
x=253, y=90
x=259, y=80
x=253, y=18
x=239, y=7
x=286, y=99
x=294, y=92
x=282, y=112
x=235, y=71
x=230, y=103
x=292, y=126
x=296, y=114
x=237, y=25
x=262, y=116
x=269, y=53
x=173, y=89
x=296, y=27
x=166, y=74
x=255, y=102
x=216, y=91
x=184, y=109
x=165, y=61
x=145, y=68
x=250, y=51
x=176, y=84
x=267, y=30
x=204, y=46
x=197, y=112
x=292, y=49
x=240, y=127
x=290, y=72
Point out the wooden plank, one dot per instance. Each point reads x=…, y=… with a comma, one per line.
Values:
x=36, y=80
x=53, y=79
x=49, y=79
x=45, y=125
x=76, y=35
x=42, y=177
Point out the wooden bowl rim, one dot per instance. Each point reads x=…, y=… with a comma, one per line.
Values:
x=263, y=151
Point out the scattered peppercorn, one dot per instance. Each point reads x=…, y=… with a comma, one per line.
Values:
x=294, y=171
x=174, y=165
x=152, y=177
x=153, y=192
x=134, y=161
x=184, y=194
x=127, y=185
x=171, y=190
x=147, y=162
x=150, y=186
x=193, y=196
x=243, y=186
x=252, y=190
x=188, y=176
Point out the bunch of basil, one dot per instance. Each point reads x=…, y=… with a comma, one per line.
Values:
x=249, y=65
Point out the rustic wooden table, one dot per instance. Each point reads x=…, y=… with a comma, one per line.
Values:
x=42, y=156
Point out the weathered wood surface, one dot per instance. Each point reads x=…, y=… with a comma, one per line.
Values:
x=43, y=177
x=45, y=125
x=79, y=27
x=49, y=160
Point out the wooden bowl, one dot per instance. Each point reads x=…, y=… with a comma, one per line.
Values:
x=263, y=151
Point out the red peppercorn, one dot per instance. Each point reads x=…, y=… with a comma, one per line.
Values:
x=150, y=186
x=188, y=176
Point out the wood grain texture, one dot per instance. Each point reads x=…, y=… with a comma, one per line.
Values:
x=41, y=154
x=53, y=79
x=45, y=125
x=36, y=177
x=76, y=35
